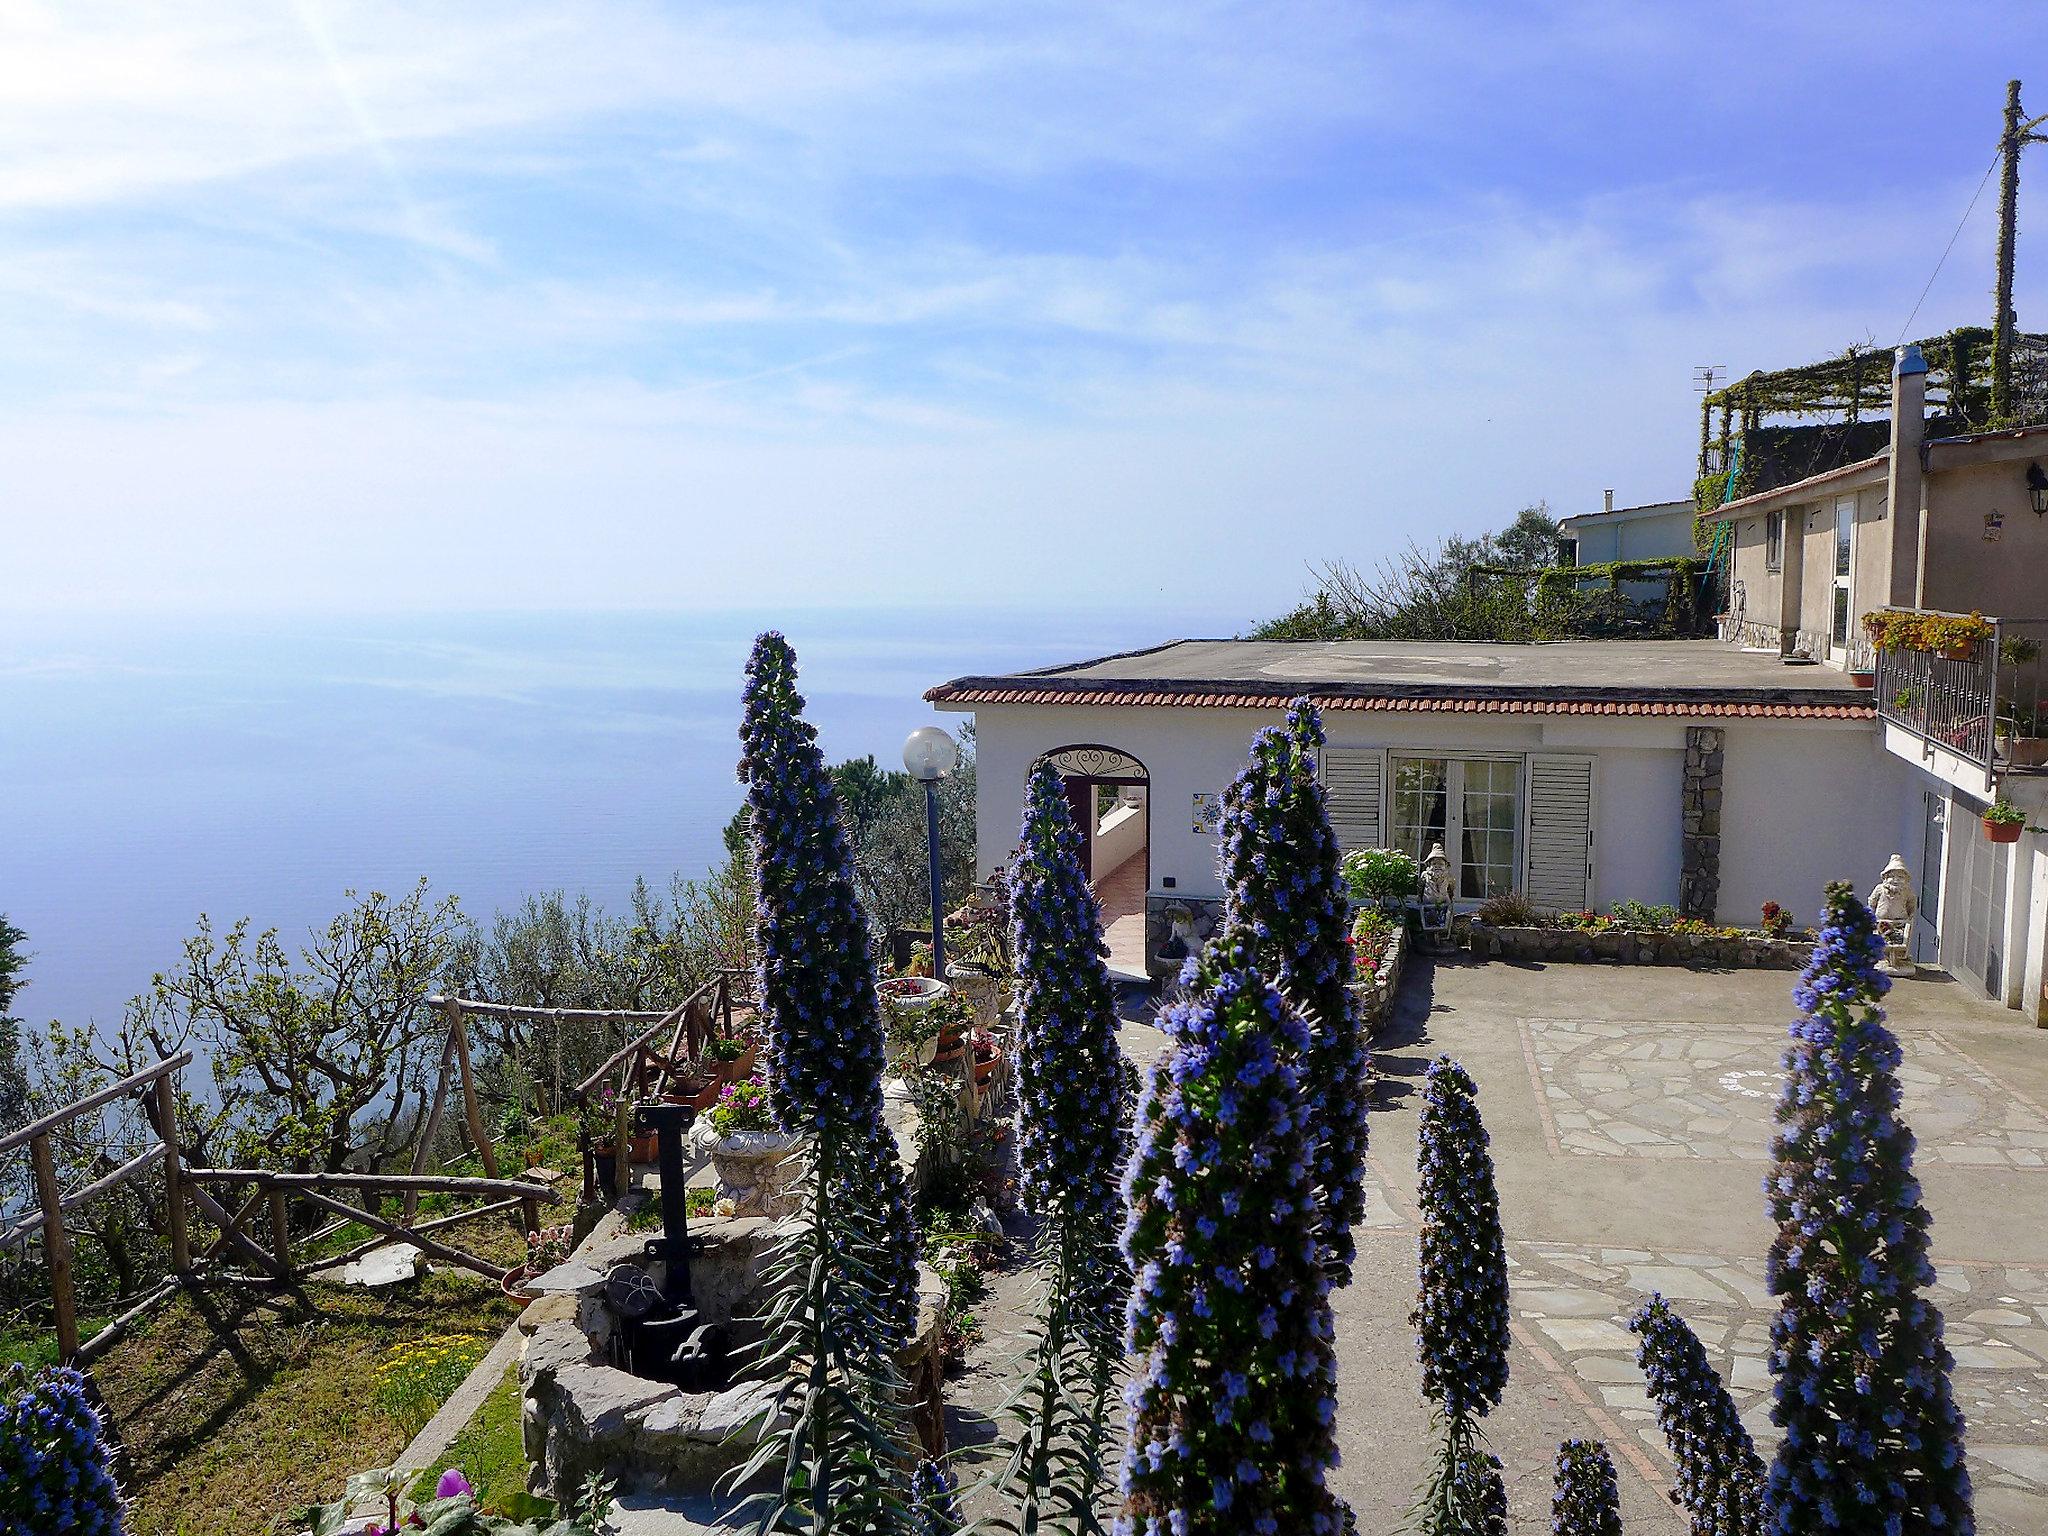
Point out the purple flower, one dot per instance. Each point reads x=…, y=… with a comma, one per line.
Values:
x=53, y=1461
x=452, y=1483
x=1284, y=885
x=1720, y=1476
x=1235, y=1371
x=1583, y=1499
x=817, y=986
x=1862, y=1391
x=1461, y=1309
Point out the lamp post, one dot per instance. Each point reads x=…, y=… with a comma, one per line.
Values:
x=930, y=753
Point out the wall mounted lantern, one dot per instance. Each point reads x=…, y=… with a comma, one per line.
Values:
x=2037, y=487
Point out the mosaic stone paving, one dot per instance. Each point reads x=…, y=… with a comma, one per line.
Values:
x=1650, y=1088
x=1576, y=1300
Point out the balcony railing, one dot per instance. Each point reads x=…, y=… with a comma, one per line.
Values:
x=1948, y=701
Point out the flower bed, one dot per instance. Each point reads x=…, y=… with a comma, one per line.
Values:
x=1379, y=947
x=1700, y=944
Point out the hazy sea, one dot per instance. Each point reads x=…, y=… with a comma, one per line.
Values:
x=152, y=770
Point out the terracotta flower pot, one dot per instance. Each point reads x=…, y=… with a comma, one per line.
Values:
x=2003, y=831
x=1863, y=679
x=985, y=1067
x=644, y=1149
x=514, y=1283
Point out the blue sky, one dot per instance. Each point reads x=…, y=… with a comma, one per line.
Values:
x=315, y=305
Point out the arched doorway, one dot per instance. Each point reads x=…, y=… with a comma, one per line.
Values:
x=1109, y=792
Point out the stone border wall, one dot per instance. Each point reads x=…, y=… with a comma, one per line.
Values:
x=1629, y=946
x=1376, y=997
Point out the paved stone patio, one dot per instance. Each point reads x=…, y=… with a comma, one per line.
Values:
x=1630, y=1110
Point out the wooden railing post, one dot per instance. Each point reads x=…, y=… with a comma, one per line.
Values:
x=470, y=1107
x=622, y=1154
x=56, y=1246
x=174, y=1176
x=280, y=1230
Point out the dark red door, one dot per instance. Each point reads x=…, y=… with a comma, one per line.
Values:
x=1081, y=805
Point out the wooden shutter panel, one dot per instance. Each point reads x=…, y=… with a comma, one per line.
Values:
x=1560, y=840
x=1354, y=779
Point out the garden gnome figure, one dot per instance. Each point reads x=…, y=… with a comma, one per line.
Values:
x=1436, y=891
x=1892, y=905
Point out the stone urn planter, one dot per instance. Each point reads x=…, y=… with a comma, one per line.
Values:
x=756, y=1172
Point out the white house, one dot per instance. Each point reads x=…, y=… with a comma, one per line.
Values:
x=1580, y=773
x=1658, y=530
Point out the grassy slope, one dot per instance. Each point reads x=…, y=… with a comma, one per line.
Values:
x=490, y=1451
x=236, y=1407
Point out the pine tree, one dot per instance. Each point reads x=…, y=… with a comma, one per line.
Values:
x=1461, y=1312
x=1233, y=1400
x=1284, y=885
x=843, y=1275
x=1069, y=1155
x=1720, y=1475
x=1873, y=1439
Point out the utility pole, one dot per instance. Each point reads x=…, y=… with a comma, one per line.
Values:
x=2016, y=136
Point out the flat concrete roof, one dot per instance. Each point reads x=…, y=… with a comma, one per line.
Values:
x=1595, y=672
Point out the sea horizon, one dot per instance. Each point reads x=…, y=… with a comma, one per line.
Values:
x=256, y=766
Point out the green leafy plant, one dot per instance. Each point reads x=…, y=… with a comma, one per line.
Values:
x=416, y=1376
x=742, y=1107
x=1510, y=909
x=1380, y=877
x=726, y=1048
x=1899, y=629
x=2006, y=814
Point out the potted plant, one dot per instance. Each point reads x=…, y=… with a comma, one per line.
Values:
x=988, y=1056
x=600, y=1118
x=730, y=1058
x=545, y=1249
x=2004, y=822
x=751, y=1157
x=1776, y=921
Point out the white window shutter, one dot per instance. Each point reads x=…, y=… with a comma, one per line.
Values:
x=1354, y=780
x=1560, y=837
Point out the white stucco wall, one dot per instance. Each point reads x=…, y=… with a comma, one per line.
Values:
x=1805, y=802
x=1118, y=839
x=1802, y=806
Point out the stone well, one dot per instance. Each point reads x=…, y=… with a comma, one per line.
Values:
x=581, y=1412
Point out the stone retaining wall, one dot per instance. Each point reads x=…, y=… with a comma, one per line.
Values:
x=1376, y=997
x=1639, y=947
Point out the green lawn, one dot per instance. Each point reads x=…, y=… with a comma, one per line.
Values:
x=491, y=1454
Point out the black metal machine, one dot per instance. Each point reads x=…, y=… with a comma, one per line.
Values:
x=661, y=1335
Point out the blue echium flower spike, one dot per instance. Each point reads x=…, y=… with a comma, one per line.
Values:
x=1231, y=1407
x=1461, y=1311
x=817, y=982
x=1720, y=1475
x=53, y=1457
x=1872, y=1438
x=1583, y=1498
x=1070, y=1069
x=934, y=1503
x=1284, y=883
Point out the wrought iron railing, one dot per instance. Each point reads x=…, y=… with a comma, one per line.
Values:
x=1948, y=700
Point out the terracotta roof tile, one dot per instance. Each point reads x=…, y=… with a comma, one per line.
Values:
x=1475, y=704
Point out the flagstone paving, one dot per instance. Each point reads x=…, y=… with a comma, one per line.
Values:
x=1630, y=1111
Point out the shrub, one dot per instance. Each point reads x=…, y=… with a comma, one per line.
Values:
x=53, y=1461
x=1380, y=877
x=1372, y=934
x=1638, y=914
x=1509, y=910
x=1872, y=1435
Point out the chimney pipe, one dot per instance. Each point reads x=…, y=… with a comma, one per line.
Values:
x=1903, y=476
x=1607, y=496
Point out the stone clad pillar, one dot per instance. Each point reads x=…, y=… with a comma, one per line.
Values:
x=1699, y=866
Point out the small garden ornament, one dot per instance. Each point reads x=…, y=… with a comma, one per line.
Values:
x=1892, y=906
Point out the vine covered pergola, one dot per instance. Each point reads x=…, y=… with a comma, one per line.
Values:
x=1771, y=429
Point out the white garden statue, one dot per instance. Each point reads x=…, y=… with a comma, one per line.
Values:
x=1436, y=878
x=1892, y=905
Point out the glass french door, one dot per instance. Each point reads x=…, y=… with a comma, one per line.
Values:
x=1473, y=806
x=1984, y=920
x=1839, y=620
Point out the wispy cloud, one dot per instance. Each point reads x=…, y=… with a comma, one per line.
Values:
x=630, y=303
